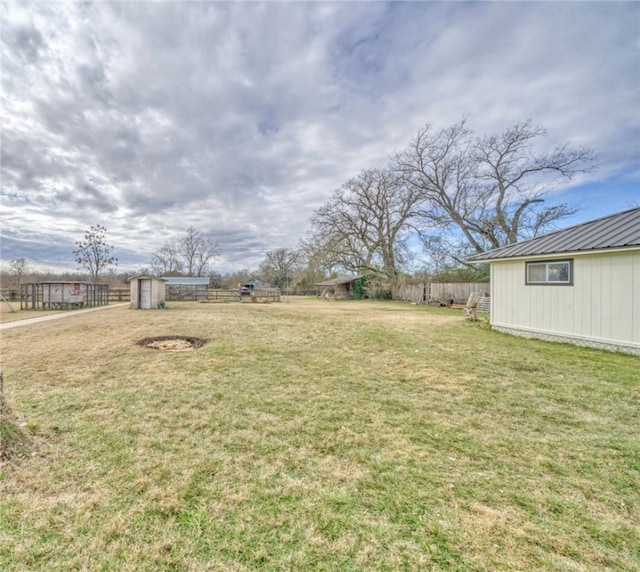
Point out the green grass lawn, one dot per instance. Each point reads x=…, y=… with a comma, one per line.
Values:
x=316, y=435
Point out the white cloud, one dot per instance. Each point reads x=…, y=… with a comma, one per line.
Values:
x=241, y=118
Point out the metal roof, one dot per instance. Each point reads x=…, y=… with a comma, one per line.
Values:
x=186, y=280
x=258, y=283
x=619, y=230
x=145, y=276
x=338, y=281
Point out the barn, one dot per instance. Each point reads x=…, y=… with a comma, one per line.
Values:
x=578, y=285
x=338, y=288
x=147, y=292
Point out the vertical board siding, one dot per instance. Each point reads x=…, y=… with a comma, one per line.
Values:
x=423, y=292
x=602, y=304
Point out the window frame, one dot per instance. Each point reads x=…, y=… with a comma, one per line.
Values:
x=547, y=263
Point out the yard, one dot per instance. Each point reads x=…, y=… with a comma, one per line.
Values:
x=315, y=435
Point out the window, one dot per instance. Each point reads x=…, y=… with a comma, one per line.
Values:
x=553, y=272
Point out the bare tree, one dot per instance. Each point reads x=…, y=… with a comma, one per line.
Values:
x=17, y=269
x=93, y=253
x=166, y=260
x=491, y=189
x=235, y=279
x=197, y=251
x=281, y=266
x=362, y=227
x=317, y=264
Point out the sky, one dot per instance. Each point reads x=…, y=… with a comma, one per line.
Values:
x=240, y=119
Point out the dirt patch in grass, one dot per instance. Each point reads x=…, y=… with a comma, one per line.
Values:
x=172, y=343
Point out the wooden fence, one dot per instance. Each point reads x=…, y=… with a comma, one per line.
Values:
x=257, y=295
x=212, y=295
x=424, y=292
x=264, y=295
x=120, y=294
x=220, y=295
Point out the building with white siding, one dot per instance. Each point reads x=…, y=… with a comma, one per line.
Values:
x=579, y=285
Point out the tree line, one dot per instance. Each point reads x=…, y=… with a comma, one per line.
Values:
x=449, y=194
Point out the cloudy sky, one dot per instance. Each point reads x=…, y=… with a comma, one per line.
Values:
x=240, y=119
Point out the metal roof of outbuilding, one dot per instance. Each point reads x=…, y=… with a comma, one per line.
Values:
x=619, y=230
x=186, y=280
x=145, y=277
x=338, y=281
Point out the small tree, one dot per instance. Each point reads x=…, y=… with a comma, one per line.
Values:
x=93, y=253
x=17, y=269
x=166, y=260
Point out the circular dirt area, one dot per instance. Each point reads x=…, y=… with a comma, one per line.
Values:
x=172, y=343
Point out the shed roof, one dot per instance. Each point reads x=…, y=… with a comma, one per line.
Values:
x=145, y=277
x=338, y=281
x=619, y=230
x=186, y=280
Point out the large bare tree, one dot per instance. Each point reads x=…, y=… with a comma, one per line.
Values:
x=93, y=252
x=362, y=228
x=490, y=189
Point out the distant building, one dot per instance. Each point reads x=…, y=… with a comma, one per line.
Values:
x=255, y=284
x=337, y=288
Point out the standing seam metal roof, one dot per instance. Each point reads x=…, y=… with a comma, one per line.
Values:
x=618, y=230
x=186, y=280
x=338, y=281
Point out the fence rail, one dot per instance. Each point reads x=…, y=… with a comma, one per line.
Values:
x=119, y=294
x=220, y=295
x=265, y=295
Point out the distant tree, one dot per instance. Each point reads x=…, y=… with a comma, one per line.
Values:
x=93, y=252
x=238, y=277
x=314, y=267
x=18, y=268
x=166, y=260
x=190, y=255
x=216, y=280
x=281, y=266
x=197, y=252
x=489, y=190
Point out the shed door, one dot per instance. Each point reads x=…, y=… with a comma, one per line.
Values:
x=145, y=294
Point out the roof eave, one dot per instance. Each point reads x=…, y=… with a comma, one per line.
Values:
x=562, y=254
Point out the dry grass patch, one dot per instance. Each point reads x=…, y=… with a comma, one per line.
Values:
x=316, y=435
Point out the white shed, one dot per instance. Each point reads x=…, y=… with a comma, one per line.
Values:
x=147, y=292
x=578, y=285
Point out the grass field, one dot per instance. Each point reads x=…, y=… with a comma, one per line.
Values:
x=315, y=435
